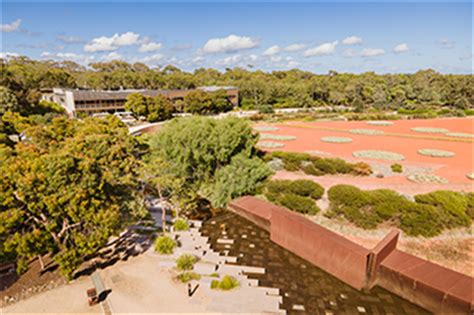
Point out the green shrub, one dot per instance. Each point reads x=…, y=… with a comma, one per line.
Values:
x=306, y=188
x=188, y=276
x=186, y=262
x=451, y=205
x=396, y=168
x=181, y=225
x=278, y=186
x=470, y=205
x=421, y=219
x=165, y=245
x=227, y=283
x=298, y=203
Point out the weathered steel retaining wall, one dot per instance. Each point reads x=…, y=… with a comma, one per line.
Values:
x=429, y=285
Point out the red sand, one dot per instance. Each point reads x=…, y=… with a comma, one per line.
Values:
x=400, y=139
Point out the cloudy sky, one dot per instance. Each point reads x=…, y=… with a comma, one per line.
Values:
x=346, y=37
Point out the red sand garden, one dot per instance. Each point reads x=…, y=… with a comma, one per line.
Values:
x=441, y=147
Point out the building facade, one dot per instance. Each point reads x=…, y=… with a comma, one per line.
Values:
x=89, y=102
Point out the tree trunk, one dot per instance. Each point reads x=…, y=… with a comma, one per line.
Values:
x=40, y=259
x=163, y=210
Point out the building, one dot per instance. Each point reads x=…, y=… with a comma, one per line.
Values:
x=76, y=101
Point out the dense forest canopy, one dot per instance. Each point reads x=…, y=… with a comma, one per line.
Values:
x=293, y=88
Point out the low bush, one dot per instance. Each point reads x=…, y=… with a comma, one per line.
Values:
x=317, y=166
x=427, y=216
x=306, y=188
x=298, y=203
x=165, y=245
x=186, y=262
x=227, y=283
x=451, y=205
x=396, y=168
x=180, y=225
x=188, y=276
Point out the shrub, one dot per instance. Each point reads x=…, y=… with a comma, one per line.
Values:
x=452, y=206
x=165, y=245
x=186, y=262
x=181, y=225
x=470, y=205
x=279, y=186
x=227, y=283
x=306, y=188
x=361, y=169
x=298, y=203
x=396, y=168
x=188, y=276
x=420, y=219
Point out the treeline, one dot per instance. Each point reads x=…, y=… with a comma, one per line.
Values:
x=279, y=89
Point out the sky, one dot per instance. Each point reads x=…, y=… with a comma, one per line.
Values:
x=389, y=37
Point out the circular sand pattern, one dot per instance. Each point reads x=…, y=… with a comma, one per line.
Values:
x=380, y=123
x=470, y=175
x=369, y=132
x=459, y=135
x=268, y=136
x=379, y=155
x=426, y=179
x=265, y=128
x=336, y=139
x=429, y=130
x=436, y=153
x=270, y=144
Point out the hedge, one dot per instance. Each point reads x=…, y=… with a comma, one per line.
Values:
x=428, y=215
x=298, y=203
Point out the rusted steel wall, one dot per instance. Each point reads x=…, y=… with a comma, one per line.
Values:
x=329, y=251
x=438, y=289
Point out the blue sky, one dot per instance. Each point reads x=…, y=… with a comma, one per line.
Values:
x=341, y=36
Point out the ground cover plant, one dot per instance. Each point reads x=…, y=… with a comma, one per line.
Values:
x=181, y=225
x=436, y=153
x=380, y=123
x=269, y=136
x=165, y=245
x=270, y=144
x=336, y=139
x=427, y=216
x=459, y=135
x=429, y=130
x=265, y=128
x=187, y=276
x=298, y=195
x=379, y=155
x=368, y=132
x=317, y=166
x=423, y=178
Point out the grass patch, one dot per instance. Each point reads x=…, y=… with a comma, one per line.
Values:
x=429, y=130
x=186, y=262
x=379, y=155
x=181, y=225
x=436, y=153
x=396, y=168
x=270, y=144
x=336, y=139
x=185, y=277
x=227, y=283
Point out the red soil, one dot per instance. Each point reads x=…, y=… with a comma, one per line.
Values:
x=398, y=138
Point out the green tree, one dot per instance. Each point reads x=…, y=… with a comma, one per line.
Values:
x=159, y=108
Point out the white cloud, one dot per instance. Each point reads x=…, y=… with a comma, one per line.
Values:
x=446, y=43
x=68, y=56
x=68, y=39
x=152, y=60
x=12, y=27
x=323, y=49
x=273, y=50
x=231, y=60
x=349, y=53
x=112, y=56
x=352, y=40
x=401, y=48
x=7, y=55
x=295, y=47
x=292, y=64
x=372, y=52
x=275, y=58
x=253, y=57
x=231, y=43
x=151, y=46
x=104, y=43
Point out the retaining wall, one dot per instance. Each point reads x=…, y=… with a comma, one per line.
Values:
x=438, y=289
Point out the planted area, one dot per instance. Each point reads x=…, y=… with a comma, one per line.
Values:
x=317, y=166
x=429, y=130
x=270, y=144
x=379, y=155
x=180, y=225
x=269, y=136
x=186, y=262
x=227, y=283
x=380, y=123
x=265, y=128
x=396, y=168
x=423, y=178
x=427, y=216
x=336, y=139
x=436, y=153
x=165, y=245
x=459, y=135
x=368, y=132
x=298, y=195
